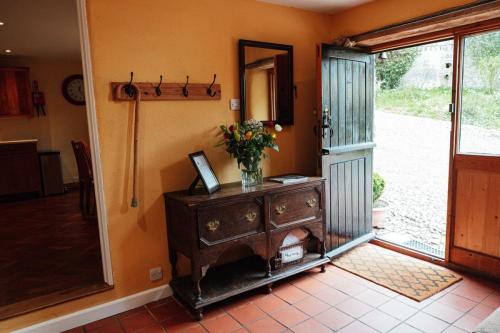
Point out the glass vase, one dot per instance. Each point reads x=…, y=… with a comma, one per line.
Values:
x=251, y=175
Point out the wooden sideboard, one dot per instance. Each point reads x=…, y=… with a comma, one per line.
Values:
x=203, y=227
x=19, y=171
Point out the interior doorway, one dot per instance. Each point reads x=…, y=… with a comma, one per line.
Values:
x=412, y=133
x=52, y=218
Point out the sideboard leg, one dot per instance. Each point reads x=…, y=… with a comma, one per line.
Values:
x=268, y=268
x=197, y=290
x=323, y=249
x=172, y=253
x=269, y=288
x=196, y=276
x=323, y=268
x=198, y=314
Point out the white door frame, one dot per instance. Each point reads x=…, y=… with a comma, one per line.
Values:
x=102, y=217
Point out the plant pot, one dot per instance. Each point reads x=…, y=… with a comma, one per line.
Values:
x=379, y=213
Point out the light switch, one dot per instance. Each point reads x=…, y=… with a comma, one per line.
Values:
x=234, y=104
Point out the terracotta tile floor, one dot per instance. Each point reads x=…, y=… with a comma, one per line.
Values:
x=335, y=301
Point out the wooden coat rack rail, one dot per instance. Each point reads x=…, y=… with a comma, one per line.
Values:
x=149, y=91
x=168, y=91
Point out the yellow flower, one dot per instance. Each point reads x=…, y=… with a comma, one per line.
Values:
x=273, y=135
x=248, y=135
x=237, y=136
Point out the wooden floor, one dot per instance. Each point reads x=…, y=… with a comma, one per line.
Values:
x=47, y=246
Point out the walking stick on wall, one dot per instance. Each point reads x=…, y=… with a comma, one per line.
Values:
x=133, y=91
x=135, y=201
x=149, y=91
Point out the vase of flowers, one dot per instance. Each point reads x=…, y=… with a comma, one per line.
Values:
x=246, y=143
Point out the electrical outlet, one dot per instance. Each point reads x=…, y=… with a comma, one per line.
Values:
x=155, y=274
x=234, y=104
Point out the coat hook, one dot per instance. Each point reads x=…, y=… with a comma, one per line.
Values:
x=158, y=88
x=185, y=90
x=209, y=90
x=129, y=90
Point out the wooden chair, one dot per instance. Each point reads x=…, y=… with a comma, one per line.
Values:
x=85, y=176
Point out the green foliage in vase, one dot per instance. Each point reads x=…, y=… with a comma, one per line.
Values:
x=246, y=142
x=378, y=186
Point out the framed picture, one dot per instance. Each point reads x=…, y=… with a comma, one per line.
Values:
x=205, y=173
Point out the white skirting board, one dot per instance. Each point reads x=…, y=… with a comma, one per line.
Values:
x=100, y=311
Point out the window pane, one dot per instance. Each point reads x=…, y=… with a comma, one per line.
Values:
x=480, y=114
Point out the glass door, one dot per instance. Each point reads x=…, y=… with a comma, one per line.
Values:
x=479, y=132
x=474, y=211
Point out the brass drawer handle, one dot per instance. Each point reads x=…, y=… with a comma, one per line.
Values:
x=213, y=225
x=280, y=209
x=311, y=203
x=251, y=216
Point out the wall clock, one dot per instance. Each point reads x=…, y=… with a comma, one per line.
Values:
x=72, y=89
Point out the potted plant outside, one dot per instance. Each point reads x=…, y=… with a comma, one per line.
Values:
x=379, y=206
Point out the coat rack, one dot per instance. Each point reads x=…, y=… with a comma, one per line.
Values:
x=158, y=91
x=149, y=91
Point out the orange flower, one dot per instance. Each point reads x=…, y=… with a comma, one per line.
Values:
x=248, y=135
x=273, y=135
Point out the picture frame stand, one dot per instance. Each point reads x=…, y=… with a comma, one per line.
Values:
x=205, y=173
x=193, y=185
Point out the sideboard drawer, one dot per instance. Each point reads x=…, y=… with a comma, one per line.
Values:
x=221, y=223
x=296, y=206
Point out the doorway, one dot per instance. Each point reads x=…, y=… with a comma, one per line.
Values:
x=52, y=219
x=412, y=132
x=441, y=183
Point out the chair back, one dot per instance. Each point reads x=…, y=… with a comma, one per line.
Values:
x=83, y=160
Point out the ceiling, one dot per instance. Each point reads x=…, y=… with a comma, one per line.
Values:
x=323, y=6
x=39, y=28
x=49, y=28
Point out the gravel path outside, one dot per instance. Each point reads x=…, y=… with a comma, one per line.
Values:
x=412, y=156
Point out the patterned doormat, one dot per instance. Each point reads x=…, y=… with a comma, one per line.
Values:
x=408, y=276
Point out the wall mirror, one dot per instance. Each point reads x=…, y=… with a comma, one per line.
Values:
x=266, y=82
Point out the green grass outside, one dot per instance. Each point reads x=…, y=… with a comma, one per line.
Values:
x=480, y=107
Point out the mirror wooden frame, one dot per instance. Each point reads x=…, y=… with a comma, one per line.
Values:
x=282, y=119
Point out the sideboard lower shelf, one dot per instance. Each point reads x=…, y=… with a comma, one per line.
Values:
x=241, y=276
x=205, y=227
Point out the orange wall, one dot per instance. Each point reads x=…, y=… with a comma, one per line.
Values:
x=379, y=13
x=178, y=38
x=196, y=38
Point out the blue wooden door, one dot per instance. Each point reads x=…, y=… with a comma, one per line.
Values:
x=346, y=136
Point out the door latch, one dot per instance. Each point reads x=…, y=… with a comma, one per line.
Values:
x=452, y=108
x=326, y=124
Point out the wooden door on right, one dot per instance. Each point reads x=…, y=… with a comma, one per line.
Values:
x=474, y=209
